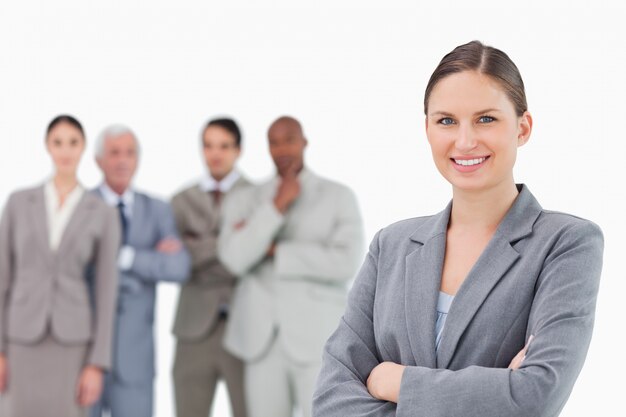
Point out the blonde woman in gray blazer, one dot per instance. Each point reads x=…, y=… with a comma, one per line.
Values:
x=55, y=333
x=485, y=309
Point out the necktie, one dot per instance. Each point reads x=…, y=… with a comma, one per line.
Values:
x=217, y=196
x=123, y=221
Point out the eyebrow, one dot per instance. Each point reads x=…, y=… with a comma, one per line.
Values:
x=444, y=113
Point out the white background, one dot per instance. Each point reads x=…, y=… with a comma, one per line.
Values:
x=354, y=73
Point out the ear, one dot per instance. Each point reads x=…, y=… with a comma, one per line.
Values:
x=306, y=142
x=525, y=128
x=99, y=163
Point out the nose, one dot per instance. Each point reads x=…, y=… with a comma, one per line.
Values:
x=466, y=140
x=280, y=150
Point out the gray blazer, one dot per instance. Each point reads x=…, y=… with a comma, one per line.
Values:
x=210, y=284
x=133, y=353
x=538, y=276
x=300, y=291
x=41, y=289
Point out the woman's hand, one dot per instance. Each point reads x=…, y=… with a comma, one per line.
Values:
x=384, y=381
x=4, y=373
x=521, y=355
x=89, y=386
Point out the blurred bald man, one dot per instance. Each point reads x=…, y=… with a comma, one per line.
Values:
x=295, y=242
x=151, y=252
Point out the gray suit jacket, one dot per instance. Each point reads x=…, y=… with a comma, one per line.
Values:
x=133, y=353
x=300, y=291
x=538, y=276
x=41, y=288
x=210, y=284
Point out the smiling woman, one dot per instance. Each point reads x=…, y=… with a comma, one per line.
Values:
x=441, y=316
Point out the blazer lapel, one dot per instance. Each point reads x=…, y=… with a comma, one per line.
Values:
x=204, y=207
x=74, y=225
x=240, y=183
x=40, y=219
x=422, y=283
x=497, y=258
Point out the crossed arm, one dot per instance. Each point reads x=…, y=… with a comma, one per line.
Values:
x=539, y=387
x=168, y=260
x=249, y=236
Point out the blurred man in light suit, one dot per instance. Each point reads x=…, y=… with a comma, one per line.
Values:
x=295, y=241
x=204, y=304
x=151, y=252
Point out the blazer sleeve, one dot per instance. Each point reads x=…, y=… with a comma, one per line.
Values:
x=248, y=230
x=106, y=281
x=6, y=266
x=350, y=354
x=335, y=259
x=202, y=249
x=561, y=320
x=152, y=265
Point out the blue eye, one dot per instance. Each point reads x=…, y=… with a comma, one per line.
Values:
x=486, y=119
x=446, y=121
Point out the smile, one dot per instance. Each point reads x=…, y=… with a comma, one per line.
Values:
x=469, y=162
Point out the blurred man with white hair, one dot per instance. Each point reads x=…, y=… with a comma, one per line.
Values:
x=151, y=251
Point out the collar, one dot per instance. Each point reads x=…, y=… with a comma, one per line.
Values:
x=52, y=195
x=516, y=224
x=208, y=183
x=112, y=198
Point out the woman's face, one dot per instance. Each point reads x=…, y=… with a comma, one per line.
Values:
x=474, y=131
x=65, y=145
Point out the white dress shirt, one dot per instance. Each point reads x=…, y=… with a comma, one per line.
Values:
x=209, y=184
x=59, y=215
x=127, y=253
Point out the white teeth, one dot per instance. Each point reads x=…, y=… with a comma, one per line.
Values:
x=470, y=162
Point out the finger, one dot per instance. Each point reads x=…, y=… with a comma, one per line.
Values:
x=173, y=246
x=92, y=397
x=163, y=247
x=89, y=395
x=3, y=378
x=79, y=390
x=525, y=349
x=291, y=170
x=168, y=247
x=516, y=360
x=82, y=396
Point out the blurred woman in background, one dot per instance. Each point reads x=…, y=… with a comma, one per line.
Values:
x=55, y=328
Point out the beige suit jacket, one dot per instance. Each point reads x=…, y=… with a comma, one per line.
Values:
x=43, y=290
x=210, y=284
x=300, y=292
